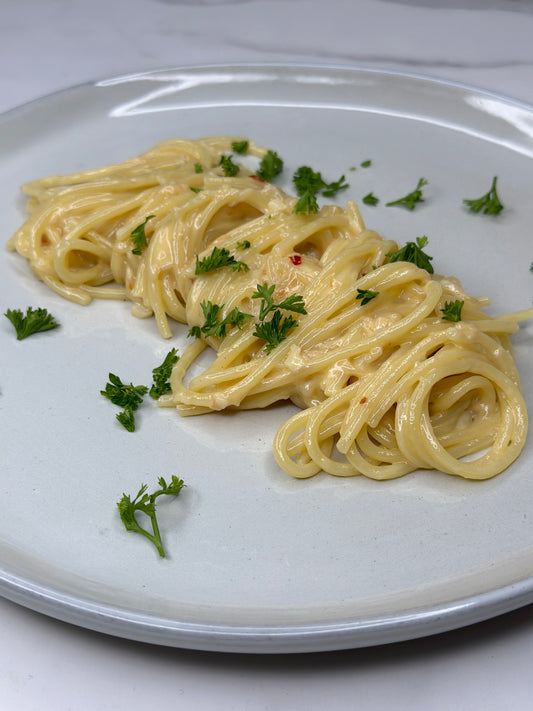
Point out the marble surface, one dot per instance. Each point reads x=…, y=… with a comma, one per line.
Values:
x=47, y=45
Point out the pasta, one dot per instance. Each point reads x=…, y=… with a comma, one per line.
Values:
x=384, y=384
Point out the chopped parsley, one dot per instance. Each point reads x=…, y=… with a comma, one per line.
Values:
x=217, y=259
x=138, y=236
x=452, y=310
x=275, y=330
x=127, y=419
x=308, y=183
x=240, y=147
x=370, y=199
x=128, y=397
x=366, y=164
x=229, y=168
x=413, y=252
x=307, y=204
x=409, y=201
x=264, y=292
x=35, y=321
x=146, y=504
x=161, y=374
x=270, y=166
x=245, y=244
x=198, y=168
x=489, y=203
x=212, y=326
x=365, y=295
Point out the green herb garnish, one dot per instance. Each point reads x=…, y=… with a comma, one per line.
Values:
x=129, y=397
x=161, y=374
x=409, y=201
x=127, y=419
x=212, y=326
x=240, y=147
x=370, y=199
x=198, y=168
x=270, y=166
x=276, y=330
x=264, y=292
x=146, y=503
x=245, y=244
x=307, y=204
x=35, y=321
x=229, y=168
x=138, y=236
x=413, y=252
x=366, y=164
x=365, y=295
x=489, y=203
x=217, y=259
x=452, y=310
x=308, y=183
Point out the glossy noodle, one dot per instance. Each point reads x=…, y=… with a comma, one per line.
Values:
x=384, y=386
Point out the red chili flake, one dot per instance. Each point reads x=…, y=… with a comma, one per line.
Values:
x=256, y=177
x=362, y=401
x=295, y=259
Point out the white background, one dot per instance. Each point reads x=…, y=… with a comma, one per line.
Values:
x=47, y=45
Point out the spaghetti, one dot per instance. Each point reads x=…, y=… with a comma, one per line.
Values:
x=385, y=385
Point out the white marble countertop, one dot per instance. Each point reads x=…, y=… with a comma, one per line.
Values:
x=47, y=45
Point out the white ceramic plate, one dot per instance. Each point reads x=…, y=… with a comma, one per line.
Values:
x=258, y=562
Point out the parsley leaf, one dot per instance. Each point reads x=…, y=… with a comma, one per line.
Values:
x=245, y=244
x=306, y=180
x=452, y=310
x=129, y=397
x=270, y=166
x=412, y=252
x=161, y=374
x=198, y=168
x=365, y=295
x=276, y=330
x=138, y=236
x=409, y=201
x=240, y=147
x=331, y=189
x=229, y=168
x=264, y=292
x=212, y=326
x=366, y=164
x=194, y=332
x=370, y=199
x=217, y=259
x=35, y=321
x=127, y=419
x=489, y=203
x=146, y=503
x=308, y=183
x=307, y=204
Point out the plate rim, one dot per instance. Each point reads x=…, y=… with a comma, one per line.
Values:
x=348, y=68
x=367, y=631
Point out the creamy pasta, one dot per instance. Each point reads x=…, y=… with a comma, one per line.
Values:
x=384, y=384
